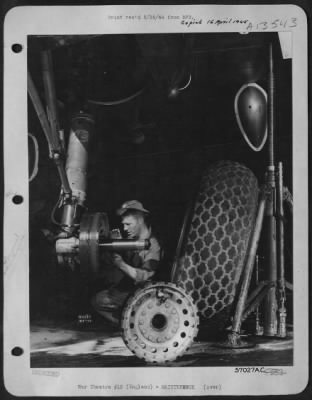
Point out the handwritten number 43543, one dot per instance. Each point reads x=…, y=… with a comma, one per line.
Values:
x=277, y=23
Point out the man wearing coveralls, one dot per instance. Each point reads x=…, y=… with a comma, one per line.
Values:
x=137, y=266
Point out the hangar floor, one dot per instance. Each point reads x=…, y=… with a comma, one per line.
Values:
x=66, y=345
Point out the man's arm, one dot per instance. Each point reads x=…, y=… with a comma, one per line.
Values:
x=150, y=264
x=138, y=275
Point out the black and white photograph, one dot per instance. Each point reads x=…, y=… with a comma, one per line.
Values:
x=156, y=192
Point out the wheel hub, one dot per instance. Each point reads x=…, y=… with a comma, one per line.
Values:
x=159, y=322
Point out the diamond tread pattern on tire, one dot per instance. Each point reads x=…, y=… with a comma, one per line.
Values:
x=216, y=244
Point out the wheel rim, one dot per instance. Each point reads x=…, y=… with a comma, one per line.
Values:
x=92, y=227
x=159, y=322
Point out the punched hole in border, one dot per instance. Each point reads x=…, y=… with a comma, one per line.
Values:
x=17, y=351
x=17, y=48
x=18, y=199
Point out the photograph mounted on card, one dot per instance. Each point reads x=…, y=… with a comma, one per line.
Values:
x=155, y=212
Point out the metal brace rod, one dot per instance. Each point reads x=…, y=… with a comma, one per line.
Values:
x=256, y=291
x=249, y=264
x=52, y=139
x=233, y=338
x=252, y=305
x=49, y=91
x=34, y=96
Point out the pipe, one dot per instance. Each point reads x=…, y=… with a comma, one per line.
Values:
x=254, y=304
x=271, y=108
x=282, y=312
x=70, y=245
x=258, y=326
x=52, y=139
x=49, y=90
x=237, y=321
x=270, y=307
x=124, y=245
x=50, y=95
x=34, y=96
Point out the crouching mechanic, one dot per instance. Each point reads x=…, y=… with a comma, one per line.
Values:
x=137, y=266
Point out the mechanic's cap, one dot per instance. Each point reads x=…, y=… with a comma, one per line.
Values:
x=131, y=205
